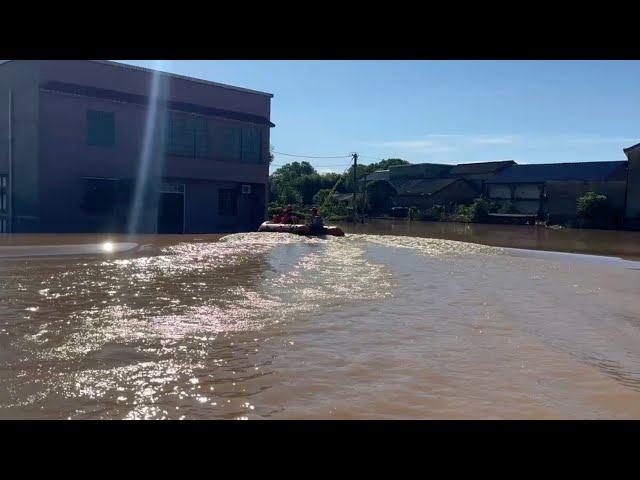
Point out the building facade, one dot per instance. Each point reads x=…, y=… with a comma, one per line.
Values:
x=552, y=190
x=89, y=146
x=424, y=194
x=632, y=210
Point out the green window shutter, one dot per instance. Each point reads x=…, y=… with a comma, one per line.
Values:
x=251, y=145
x=231, y=143
x=201, y=137
x=187, y=137
x=101, y=131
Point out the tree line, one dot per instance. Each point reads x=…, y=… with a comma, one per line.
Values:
x=300, y=183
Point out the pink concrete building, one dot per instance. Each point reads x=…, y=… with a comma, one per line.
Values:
x=89, y=146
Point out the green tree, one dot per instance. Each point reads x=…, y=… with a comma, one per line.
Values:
x=290, y=196
x=308, y=186
x=320, y=197
x=379, y=194
x=389, y=162
x=370, y=168
x=282, y=179
x=594, y=210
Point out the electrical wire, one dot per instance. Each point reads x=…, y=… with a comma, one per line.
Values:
x=307, y=156
x=371, y=158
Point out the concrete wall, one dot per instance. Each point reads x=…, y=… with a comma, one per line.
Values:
x=531, y=207
x=131, y=80
x=527, y=192
x=458, y=192
x=499, y=191
x=562, y=197
x=201, y=209
x=633, y=185
x=526, y=198
x=21, y=77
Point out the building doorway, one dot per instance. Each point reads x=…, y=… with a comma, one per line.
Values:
x=171, y=206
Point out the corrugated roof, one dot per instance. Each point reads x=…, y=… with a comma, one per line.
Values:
x=480, y=167
x=118, y=96
x=580, y=171
x=377, y=175
x=427, y=186
x=418, y=170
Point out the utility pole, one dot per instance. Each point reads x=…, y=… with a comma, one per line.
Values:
x=355, y=183
x=364, y=195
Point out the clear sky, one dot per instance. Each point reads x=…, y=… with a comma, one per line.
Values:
x=440, y=111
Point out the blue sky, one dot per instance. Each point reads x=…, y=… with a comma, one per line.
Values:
x=440, y=111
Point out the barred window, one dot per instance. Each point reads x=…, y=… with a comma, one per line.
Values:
x=227, y=203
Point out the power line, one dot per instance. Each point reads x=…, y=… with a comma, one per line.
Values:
x=315, y=166
x=308, y=156
x=371, y=158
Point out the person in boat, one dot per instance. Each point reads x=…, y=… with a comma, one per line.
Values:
x=289, y=217
x=279, y=216
x=316, y=225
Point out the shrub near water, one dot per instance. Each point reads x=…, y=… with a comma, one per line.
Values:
x=434, y=214
x=476, y=212
x=594, y=210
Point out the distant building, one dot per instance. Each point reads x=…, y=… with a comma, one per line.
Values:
x=477, y=174
x=89, y=146
x=426, y=193
x=632, y=211
x=424, y=185
x=553, y=189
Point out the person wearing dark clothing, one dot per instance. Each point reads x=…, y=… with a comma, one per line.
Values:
x=316, y=225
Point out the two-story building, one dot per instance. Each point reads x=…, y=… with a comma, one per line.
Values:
x=90, y=146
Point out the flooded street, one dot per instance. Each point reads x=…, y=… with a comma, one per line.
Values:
x=396, y=320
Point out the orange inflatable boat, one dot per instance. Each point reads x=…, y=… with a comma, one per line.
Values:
x=298, y=229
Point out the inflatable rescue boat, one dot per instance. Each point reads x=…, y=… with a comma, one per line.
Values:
x=299, y=229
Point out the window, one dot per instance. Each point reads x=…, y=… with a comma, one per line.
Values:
x=231, y=143
x=3, y=225
x=4, y=193
x=251, y=145
x=101, y=130
x=227, y=203
x=187, y=137
x=100, y=196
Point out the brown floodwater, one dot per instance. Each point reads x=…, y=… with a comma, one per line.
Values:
x=396, y=320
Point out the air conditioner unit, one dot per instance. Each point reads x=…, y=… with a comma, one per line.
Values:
x=246, y=189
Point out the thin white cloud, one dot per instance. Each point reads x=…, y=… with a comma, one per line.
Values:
x=494, y=139
x=449, y=142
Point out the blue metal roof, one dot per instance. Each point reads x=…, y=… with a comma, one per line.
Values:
x=580, y=171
